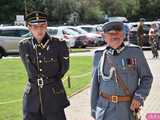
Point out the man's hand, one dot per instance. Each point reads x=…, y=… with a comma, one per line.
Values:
x=135, y=105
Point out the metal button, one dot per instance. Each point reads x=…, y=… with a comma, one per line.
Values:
x=40, y=70
x=39, y=53
x=40, y=61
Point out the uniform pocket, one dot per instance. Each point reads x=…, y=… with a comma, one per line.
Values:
x=57, y=91
x=58, y=88
x=107, y=83
x=101, y=108
x=100, y=113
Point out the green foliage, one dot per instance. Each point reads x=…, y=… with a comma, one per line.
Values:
x=91, y=11
x=9, y=9
x=87, y=11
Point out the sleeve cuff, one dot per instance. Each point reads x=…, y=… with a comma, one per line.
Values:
x=139, y=97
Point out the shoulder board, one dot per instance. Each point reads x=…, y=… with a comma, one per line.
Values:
x=132, y=45
x=25, y=40
x=101, y=49
x=56, y=39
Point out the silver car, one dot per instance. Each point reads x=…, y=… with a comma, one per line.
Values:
x=9, y=38
x=72, y=38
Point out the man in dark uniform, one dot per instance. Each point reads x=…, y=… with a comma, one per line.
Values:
x=46, y=60
x=140, y=33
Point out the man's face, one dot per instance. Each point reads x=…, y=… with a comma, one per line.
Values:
x=38, y=30
x=114, y=39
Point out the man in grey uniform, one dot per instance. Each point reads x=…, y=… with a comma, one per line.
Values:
x=46, y=60
x=121, y=78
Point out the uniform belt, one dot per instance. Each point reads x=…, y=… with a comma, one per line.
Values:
x=42, y=81
x=115, y=99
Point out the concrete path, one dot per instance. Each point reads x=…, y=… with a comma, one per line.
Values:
x=80, y=107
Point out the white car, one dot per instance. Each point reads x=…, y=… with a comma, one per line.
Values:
x=93, y=39
x=9, y=38
x=72, y=37
x=92, y=29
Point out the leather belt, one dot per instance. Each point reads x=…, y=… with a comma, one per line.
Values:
x=115, y=99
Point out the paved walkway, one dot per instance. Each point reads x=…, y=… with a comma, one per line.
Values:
x=80, y=107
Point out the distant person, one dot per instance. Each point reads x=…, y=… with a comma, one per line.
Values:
x=140, y=33
x=46, y=60
x=121, y=78
x=153, y=40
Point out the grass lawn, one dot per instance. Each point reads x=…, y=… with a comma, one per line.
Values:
x=79, y=49
x=13, y=76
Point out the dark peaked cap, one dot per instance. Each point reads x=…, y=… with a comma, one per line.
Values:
x=113, y=26
x=36, y=17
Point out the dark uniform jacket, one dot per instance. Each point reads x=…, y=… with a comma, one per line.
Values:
x=48, y=62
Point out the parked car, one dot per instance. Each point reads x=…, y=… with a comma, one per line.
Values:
x=73, y=38
x=126, y=31
x=92, y=38
x=133, y=32
x=91, y=29
x=9, y=38
x=117, y=18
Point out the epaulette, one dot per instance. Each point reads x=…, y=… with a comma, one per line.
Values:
x=132, y=45
x=101, y=49
x=25, y=40
x=57, y=39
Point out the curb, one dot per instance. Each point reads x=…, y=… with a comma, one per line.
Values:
x=79, y=91
x=80, y=51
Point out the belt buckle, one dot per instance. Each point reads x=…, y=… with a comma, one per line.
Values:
x=114, y=99
x=40, y=82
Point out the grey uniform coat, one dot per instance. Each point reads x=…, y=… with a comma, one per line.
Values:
x=49, y=63
x=136, y=75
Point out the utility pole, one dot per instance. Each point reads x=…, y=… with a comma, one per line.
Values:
x=25, y=7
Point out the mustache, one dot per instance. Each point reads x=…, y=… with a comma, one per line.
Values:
x=116, y=38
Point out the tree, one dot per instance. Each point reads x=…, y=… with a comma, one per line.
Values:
x=9, y=9
x=127, y=8
x=90, y=11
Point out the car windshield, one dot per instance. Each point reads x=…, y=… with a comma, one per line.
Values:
x=29, y=34
x=70, y=32
x=52, y=31
x=88, y=29
x=79, y=30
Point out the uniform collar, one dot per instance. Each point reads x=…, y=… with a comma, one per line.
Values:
x=113, y=51
x=44, y=42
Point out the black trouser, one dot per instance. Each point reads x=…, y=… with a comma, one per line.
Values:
x=38, y=116
x=154, y=48
x=140, y=40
